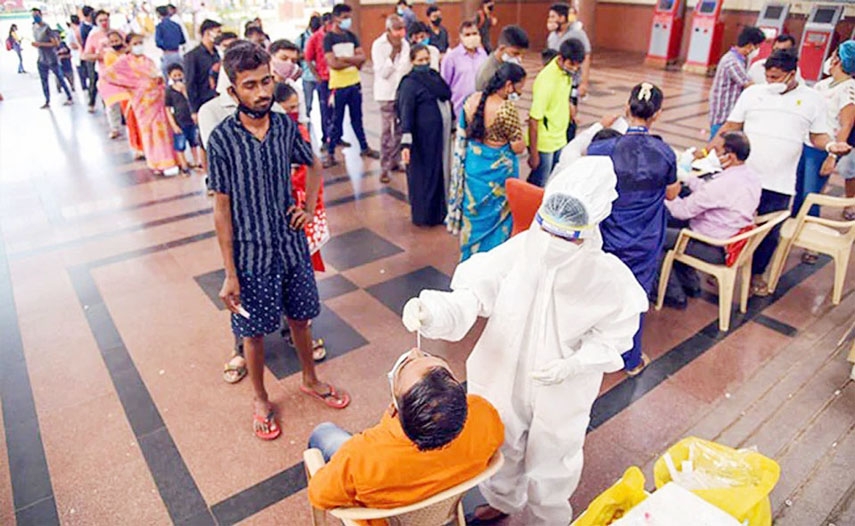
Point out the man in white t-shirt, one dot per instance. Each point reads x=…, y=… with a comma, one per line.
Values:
x=757, y=71
x=390, y=54
x=776, y=117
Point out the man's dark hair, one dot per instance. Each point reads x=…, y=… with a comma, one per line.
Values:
x=433, y=411
x=252, y=30
x=403, y=3
x=783, y=59
x=314, y=23
x=171, y=6
x=432, y=9
x=245, y=56
x=467, y=23
x=87, y=10
x=225, y=35
x=341, y=9
x=283, y=91
x=573, y=50
x=99, y=13
x=750, y=35
x=513, y=36
x=645, y=107
x=208, y=25
x=162, y=11
x=605, y=134
x=283, y=44
x=560, y=9
x=326, y=17
x=547, y=55
x=737, y=143
x=418, y=27
x=172, y=67
x=36, y=10
x=75, y=20
x=786, y=38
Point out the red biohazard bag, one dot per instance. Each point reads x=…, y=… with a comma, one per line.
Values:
x=733, y=250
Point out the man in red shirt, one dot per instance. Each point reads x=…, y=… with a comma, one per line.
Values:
x=318, y=64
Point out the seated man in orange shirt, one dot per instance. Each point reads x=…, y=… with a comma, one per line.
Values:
x=432, y=438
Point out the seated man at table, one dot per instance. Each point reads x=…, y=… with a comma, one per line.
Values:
x=718, y=207
x=432, y=437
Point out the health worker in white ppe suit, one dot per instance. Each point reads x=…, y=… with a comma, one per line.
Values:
x=561, y=312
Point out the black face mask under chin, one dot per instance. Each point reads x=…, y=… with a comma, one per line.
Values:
x=249, y=112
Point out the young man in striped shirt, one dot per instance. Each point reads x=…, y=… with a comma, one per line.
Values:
x=260, y=231
x=731, y=76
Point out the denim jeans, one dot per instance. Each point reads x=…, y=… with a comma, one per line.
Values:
x=328, y=437
x=44, y=75
x=714, y=128
x=83, y=75
x=93, y=82
x=351, y=99
x=769, y=202
x=540, y=175
x=309, y=92
x=326, y=110
x=808, y=180
x=169, y=58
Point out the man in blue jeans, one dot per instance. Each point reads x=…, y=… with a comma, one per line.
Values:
x=344, y=56
x=551, y=111
x=46, y=41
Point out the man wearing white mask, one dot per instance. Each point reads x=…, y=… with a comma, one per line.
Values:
x=777, y=117
x=731, y=75
x=561, y=312
x=390, y=54
x=757, y=70
x=563, y=24
x=461, y=64
x=513, y=42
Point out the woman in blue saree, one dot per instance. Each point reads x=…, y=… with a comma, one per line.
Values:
x=490, y=137
x=646, y=169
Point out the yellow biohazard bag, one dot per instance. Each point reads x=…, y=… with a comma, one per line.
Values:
x=737, y=481
x=616, y=501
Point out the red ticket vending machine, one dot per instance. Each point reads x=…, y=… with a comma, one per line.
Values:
x=771, y=21
x=818, y=38
x=705, y=37
x=666, y=33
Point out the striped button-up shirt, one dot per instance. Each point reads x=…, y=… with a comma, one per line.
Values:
x=731, y=77
x=256, y=175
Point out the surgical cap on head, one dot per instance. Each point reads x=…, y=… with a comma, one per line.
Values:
x=846, y=52
x=578, y=198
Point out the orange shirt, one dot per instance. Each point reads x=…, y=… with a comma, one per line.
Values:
x=382, y=468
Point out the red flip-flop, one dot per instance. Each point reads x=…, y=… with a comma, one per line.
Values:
x=332, y=399
x=273, y=429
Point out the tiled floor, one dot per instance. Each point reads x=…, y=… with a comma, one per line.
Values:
x=112, y=339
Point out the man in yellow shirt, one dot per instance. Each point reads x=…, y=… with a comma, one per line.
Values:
x=432, y=438
x=345, y=57
x=551, y=110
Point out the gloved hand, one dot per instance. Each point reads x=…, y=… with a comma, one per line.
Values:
x=557, y=371
x=415, y=315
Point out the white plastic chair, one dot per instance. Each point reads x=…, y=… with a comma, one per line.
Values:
x=724, y=275
x=827, y=236
x=444, y=508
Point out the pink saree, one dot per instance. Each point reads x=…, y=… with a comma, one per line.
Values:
x=139, y=76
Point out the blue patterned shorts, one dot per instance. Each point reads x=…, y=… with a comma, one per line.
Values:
x=292, y=292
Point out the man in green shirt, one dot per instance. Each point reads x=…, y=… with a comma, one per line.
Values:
x=551, y=111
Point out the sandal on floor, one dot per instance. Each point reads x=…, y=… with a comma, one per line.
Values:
x=810, y=257
x=319, y=351
x=645, y=361
x=235, y=369
x=334, y=399
x=260, y=423
x=759, y=288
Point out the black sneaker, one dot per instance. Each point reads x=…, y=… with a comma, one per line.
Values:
x=344, y=144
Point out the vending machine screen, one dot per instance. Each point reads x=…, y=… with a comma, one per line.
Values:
x=666, y=5
x=707, y=6
x=824, y=16
x=773, y=12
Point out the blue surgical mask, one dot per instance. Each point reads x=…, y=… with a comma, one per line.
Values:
x=425, y=41
x=346, y=23
x=400, y=10
x=37, y=19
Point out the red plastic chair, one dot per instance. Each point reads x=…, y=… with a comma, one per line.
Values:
x=524, y=199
